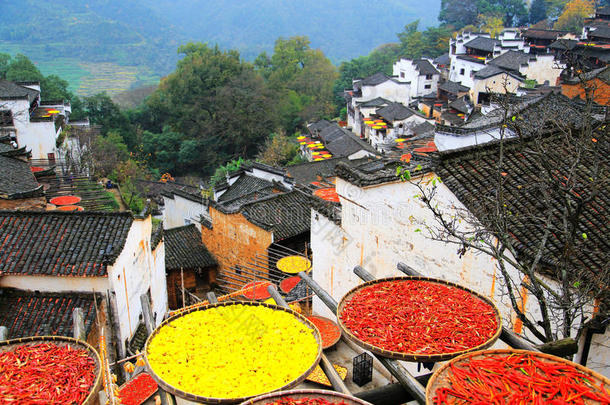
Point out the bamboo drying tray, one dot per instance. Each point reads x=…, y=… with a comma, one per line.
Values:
x=298, y=394
x=439, y=378
x=91, y=399
x=415, y=357
x=323, y=319
x=210, y=400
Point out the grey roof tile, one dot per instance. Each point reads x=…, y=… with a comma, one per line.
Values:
x=185, y=249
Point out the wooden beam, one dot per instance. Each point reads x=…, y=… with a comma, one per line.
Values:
x=78, y=323
x=147, y=313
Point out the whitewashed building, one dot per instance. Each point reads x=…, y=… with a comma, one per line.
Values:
x=420, y=73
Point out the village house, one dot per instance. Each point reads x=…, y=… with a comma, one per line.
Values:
x=539, y=40
x=34, y=124
x=340, y=142
x=399, y=119
x=75, y=254
x=492, y=80
x=378, y=223
x=420, y=73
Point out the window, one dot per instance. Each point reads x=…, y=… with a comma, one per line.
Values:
x=237, y=270
x=427, y=86
x=187, y=221
x=462, y=72
x=428, y=77
x=402, y=75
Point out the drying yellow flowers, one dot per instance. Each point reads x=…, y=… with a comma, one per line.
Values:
x=232, y=351
x=294, y=264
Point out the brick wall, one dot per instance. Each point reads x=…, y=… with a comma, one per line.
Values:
x=601, y=93
x=234, y=241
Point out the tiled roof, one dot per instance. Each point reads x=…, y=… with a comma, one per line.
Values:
x=318, y=125
x=542, y=34
x=138, y=340
x=341, y=142
x=423, y=128
x=29, y=313
x=380, y=171
x=453, y=87
x=376, y=102
x=425, y=67
x=601, y=73
x=512, y=60
x=16, y=179
x=444, y=59
x=395, y=112
x=469, y=176
x=375, y=79
x=461, y=105
x=286, y=214
x=482, y=44
x=51, y=243
x=244, y=185
x=184, y=249
x=305, y=173
x=601, y=32
x=155, y=189
x=12, y=91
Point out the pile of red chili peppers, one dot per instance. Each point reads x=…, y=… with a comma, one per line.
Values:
x=256, y=290
x=329, y=331
x=305, y=401
x=138, y=390
x=519, y=379
x=418, y=316
x=45, y=374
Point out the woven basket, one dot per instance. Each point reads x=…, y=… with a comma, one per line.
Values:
x=334, y=342
x=439, y=378
x=416, y=357
x=330, y=396
x=91, y=399
x=209, y=400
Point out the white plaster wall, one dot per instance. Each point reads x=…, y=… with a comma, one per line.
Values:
x=469, y=68
x=262, y=174
x=39, y=137
x=158, y=284
x=132, y=275
x=383, y=229
x=445, y=142
x=178, y=209
x=599, y=356
x=544, y=68
x=495, y=84
x=55, y=283
x=390, y=90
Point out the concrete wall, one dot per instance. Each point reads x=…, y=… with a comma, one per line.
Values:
x=179, y=211
x=382, y=225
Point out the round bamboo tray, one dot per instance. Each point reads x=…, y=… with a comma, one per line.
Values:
x=283, y=264
x=416, y=357
x=439, y=378
x=330, y=396
x=335, y=340
x=91, y=399
x=210, y=400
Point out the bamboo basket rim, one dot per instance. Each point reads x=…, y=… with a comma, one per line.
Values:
x=416, y=357
x=334, y=342
x=31, y=340
x=309, y=264
x=437, y=379
x=326, y=394
x=211, y=400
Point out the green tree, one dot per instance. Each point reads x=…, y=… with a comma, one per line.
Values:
x=412, y=43
x=278, y=150
x=458, y=13
x=101, y=110
x=537, y=11
x=5, y=60
x=21, y=68
x=107, y=153
x=493, y=24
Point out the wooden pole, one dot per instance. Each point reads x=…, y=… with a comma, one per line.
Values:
x=405, y=378
x=182, y=286
x=147, y=313
x=78, y=324
x=325, y=364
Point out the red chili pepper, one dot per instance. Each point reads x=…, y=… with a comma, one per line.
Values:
x=45, y=374
x=138, y=390
x=418, y=316
x=329, y=331
x=305, y=401
x=516, y=379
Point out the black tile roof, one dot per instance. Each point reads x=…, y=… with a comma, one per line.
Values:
x=423, y=128
x=444, y=59
x=512, y=60
x=138, y=340
x=286, y=214
x=244, y=185
x=482, y=44
x=461, y=105
x=453, y=87
x=381, y=171
x=376, y=102
x=564, y=44
x=185, y=249
x=601, y=73
x=305, y=173
x=55, y=243
x=12, y=91
x=601, y=32
x=16, y=179
x=29, y=313
x=375, y=79
x=395, y=112
x=468, y=175
x=425, y=67
x=347, y=145
x=318, y=125
x=537, y=33
x=156, y=189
